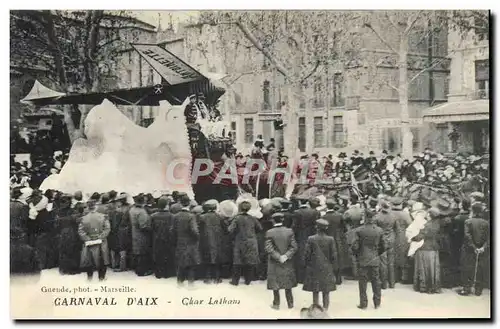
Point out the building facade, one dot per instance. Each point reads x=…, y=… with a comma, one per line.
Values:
x=341, y=108
x=462, y=124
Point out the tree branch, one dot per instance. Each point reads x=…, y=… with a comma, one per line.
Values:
x=412, y=22
x=259, y=46
x=391, y=48
x=430, y=67
x=315, y=68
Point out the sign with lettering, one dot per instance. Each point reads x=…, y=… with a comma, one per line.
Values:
x=169, y=66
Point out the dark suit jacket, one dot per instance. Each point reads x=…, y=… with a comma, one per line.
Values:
x=476, y=234
x=368, y=244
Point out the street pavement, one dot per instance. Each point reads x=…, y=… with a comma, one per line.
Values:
x=29, y=301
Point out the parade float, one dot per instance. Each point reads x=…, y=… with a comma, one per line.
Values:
x=117, y=154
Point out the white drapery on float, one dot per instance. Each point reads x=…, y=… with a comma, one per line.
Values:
x=122, y=156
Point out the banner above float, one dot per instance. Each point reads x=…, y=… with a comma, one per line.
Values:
x=170, y=67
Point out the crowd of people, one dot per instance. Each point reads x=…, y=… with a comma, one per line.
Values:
x=318, y=242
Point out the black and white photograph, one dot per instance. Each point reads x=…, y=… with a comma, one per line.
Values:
x=250, y=164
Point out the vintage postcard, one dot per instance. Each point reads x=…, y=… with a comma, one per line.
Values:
x=249, y=164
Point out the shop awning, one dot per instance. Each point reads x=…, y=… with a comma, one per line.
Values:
x=473, y=110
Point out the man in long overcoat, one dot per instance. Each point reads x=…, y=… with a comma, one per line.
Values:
x=187, y=237
x=211, y=246
x=244, y=228
x=367, y=246
x=163, y=248
x=387, y=222
x=401, y=245
x=320, y=264
x=304, y=225
x=93, y=231
x=353, y=217
x=337, y=230
x=475, y=251
x=141, y=234
x=280, y=247
x=18, y=214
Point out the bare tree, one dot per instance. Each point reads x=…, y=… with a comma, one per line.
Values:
x=78, y=48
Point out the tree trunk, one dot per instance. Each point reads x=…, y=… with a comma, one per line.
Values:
x=406, y=136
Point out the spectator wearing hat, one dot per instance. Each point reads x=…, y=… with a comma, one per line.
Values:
x=341, y=166
x=280, y=246
x=18, y=212
x=336, y=229
x=162, y=222
x=69, y=241
x=367, y=246
x=427, y=274
x=244, y=228
x=212, y=249
x=121, y=229
x=386, y=220
x=321, y=263
x=187, y=236
x=475, y=252
x=141, y=235
x=353, y=218
x=205, y=113
x=192, y=111
x=304, y=222
x=457, y=236
x=93, y=231
x=401, y=246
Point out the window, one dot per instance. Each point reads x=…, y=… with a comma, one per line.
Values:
x=318, y=92
x=416, y=138
x=318, y=132
x=337, y=94
x=482, y=78
x=249, y=131
x=302, y=134
x=151, y=77
x=418, y=41
x=129, y=77
x=419, y=88
x=392, y=139
x=233, y=132
x=338, y=130
x=266, y=95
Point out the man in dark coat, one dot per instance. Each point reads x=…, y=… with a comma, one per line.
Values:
x=280, y=247
x=163, y=249
x=321, y=264
x=93, y=231
x=304, y=225
x=140, y=223
x=457, y=236
x=18, y=214
x=187, y=242
x=368, y=244
x=386, y=220
x=353, y=217
x=475, y=251
x=401, y=245
x=211, y=232
x=336, y=229
x=244, y=228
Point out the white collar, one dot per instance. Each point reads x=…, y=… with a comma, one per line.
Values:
x=330, y=210
x=186, y=208
x=278, y=225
